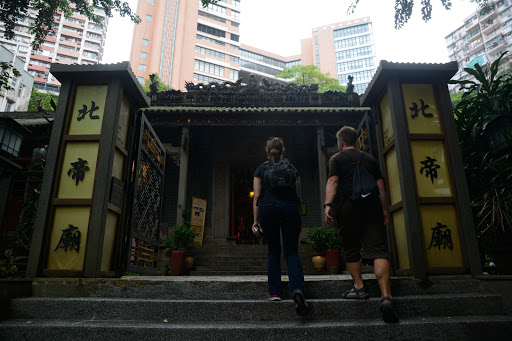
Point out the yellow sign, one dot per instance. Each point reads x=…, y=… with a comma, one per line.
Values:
x=393, y=178
x=400, y=233
x=385, y=114
x=78, y=170
x=431, y=169
x=68, y=238
x=88, y=110
x=197, y=218
x=421, y=109
x=441, y=235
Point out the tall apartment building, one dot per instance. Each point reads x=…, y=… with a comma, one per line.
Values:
x=184, y=42
x=73, y=40
x=483, y=37
x=343, y=49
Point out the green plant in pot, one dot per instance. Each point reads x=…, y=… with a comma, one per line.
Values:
x=320, y=239
x=180, y=241
x=332, y=254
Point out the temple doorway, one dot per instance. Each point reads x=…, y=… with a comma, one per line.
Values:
x=241, y=204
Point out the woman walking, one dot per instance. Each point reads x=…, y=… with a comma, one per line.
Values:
x=276, y=207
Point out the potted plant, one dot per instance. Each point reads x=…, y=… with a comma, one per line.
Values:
x=332, y=254
x=318, y=238
x=180, y=241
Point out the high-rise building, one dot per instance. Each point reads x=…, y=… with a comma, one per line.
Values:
x=72, y=40
x=184, y=42
x=18, y=96
x=343, y=49
x=483, y=37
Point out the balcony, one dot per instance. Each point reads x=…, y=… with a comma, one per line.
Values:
x=490, y=26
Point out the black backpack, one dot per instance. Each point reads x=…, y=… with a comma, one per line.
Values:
x=364, y=186
x=280, y=177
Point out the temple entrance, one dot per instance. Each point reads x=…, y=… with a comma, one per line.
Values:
x=241, y=204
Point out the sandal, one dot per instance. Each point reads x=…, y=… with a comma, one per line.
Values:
x=388, y=310
x=358, y=294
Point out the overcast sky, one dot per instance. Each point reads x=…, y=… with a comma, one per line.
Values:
x=278, y=26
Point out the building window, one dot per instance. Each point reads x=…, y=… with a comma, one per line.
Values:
x=235, y=15
x=218, y=42
x=211, y=16
x=258, y=67
x=215, y=8
x=348, y=31
x=141, y=80
x=234, y=59
x=261, y=58
x=142, y=67
x=211, y=30
x=151, y=2
x=209, y=67
x=148, y=17
x=145, y=42
x=233, y=74
x=210, y=52
x=143, y=55
x=359, y=52
x=206, y=79
x=235, y=37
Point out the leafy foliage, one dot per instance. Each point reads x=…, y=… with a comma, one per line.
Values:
x=8, y=264
x=403, y=9
x=322, y=239
x=490, y=174
x=5, y=75
x=181, y=238
x=310, y=74
x=159, y=84
x=11, y=11
x=44, y=101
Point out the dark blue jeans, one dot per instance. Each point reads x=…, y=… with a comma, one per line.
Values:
x=276, y=218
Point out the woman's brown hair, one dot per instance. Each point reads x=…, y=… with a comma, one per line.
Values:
x=275, y=147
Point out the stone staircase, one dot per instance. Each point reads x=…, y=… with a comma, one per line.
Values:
x=228, y=260
x=234, y=308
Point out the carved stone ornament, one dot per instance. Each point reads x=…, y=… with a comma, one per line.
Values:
x=267, y=94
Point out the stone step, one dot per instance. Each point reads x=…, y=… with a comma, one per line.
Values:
x=156, y=310
x=238, y=287
x=431, y=328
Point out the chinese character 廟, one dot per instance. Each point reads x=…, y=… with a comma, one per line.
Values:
x=441, y=238
x=70, y=239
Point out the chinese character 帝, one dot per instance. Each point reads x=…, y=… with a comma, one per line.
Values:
x=430, y=168
x=78, y=170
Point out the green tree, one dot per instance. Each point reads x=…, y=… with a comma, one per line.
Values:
x=159, y=84
x=13, y=10
x=45, y=99
x=310, y=74
x=403, y=9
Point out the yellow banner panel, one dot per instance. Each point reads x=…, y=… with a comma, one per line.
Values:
x=118, y=166
x=124, y=121
x=421, y=109
x=441, y=235
x=402, y=249
x=107, y=257
x=197, y=218
x=393, y=179
x=387, y=127
x=431, y=169
x=88, y=110
x=78, y=170
x=68, y=238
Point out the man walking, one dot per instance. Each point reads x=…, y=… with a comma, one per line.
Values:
x=362, y=222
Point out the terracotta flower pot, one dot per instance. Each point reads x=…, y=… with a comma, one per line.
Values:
x=332, y=260
x=177, y=263
x=318, y=262
x=189, y=263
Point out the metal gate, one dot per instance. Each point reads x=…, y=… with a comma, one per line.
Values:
x=147, y=184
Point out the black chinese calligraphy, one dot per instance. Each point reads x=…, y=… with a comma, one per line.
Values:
x=70, y=239
x=415, y=109
x=430, y=168
x=82, y=112
x=441, y=237
x=78, y=170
